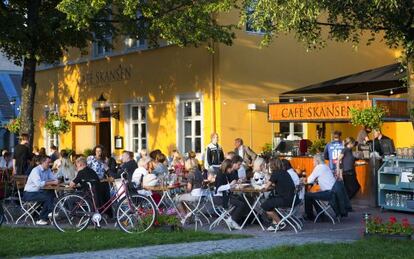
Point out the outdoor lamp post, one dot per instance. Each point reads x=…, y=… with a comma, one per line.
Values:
x=82, y=114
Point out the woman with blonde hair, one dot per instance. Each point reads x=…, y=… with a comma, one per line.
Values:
x=66, y=170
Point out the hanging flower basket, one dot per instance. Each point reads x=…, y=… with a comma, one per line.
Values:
x=56, y=124
x=14, y=125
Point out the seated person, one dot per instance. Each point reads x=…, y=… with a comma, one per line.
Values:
x=223, y=196
x=140, y=172
x=284, y=192
x=128, y=165
x=86, y=174
x=40, y=177
x=160, y=169
x=260, y=176
x=6, y=162
x=288, y=167
x=237, y=162
x=194, y=185
x=323, y=174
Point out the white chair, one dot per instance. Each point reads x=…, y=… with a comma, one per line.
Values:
x=222, y=214
x=195, y=209
x=289, y=215
x=28, y=207
x=326, y=209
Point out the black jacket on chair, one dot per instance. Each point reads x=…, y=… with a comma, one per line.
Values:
x=340, y=202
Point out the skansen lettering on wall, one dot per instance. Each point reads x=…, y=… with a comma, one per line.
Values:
x=103, y=78
x=317, y=111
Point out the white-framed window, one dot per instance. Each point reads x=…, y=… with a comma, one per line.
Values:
x=133, y=43
x=99, y=48
x=190, y=125
x=50, y=139
x=138, y=128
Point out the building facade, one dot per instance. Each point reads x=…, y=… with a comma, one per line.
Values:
x=171, y=97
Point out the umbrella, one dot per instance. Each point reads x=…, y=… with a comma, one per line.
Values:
x=378, y=80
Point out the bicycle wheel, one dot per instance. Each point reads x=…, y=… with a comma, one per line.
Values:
x=135, y=214
x=1, y=214
x=71, y=213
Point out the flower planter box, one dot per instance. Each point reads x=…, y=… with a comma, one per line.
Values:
x=388, y=236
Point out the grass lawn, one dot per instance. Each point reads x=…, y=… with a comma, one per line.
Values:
x=16, y=242
x=372, y=248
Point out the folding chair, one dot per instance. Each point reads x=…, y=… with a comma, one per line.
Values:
x=287, y=216
x=195, y=209
x=222, y=213
x=28, y=207
x=326, y=209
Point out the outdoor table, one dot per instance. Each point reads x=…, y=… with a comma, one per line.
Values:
x=252, y=191
x=57, y=189
x=165, y=194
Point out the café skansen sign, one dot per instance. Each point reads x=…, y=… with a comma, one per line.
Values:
x=104, y=77
x=318, y=111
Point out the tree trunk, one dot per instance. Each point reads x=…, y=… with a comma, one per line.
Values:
x=29, y=70
x=410, y=86
x=28, y=95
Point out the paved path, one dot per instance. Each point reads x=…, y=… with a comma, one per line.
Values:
x=265, y=240
x=350, y=229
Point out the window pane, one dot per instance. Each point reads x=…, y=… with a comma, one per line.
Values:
x=198, y=128
x=197, y=145
x=135, y=146
x=143, y=130
x=197, y=108
x=298, y=127
x=187, y=145
x=144, y=143
x=187, y=128
x=135, y=130
x=135, y=113
x=187, y=109
x=143, y=113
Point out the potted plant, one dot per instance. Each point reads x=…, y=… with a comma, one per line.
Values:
x=168, y=221
x=317, y=146
x=14, y=125
x=56, y=124
x=369, y=117
x=376, y=227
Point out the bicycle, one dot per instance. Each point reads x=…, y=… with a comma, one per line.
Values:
x=135, y=213
x=1, y=213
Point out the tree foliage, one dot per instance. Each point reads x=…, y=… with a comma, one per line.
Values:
x=315, y=21
x=36, y=31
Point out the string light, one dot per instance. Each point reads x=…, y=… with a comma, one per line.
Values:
x=391, y=92
x=304, y=99
x=347, y=97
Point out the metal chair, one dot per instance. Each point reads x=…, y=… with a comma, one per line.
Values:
x=326, y=209
x=222, y=213
x=28, y=207
x=195, y=209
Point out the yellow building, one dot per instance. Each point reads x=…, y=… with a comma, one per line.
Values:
x=171, y=97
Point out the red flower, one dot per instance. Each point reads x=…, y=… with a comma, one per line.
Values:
x=393, y=220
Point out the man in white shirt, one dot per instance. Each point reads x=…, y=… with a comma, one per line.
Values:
x=326, y=180
x=6, y=162
x=40, y=177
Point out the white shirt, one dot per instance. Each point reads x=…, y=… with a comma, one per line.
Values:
x=138, y=175
x=242, y=172
x=240, y=151
x=294, y=176
x=324, y=175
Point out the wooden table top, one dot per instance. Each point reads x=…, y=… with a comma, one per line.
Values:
x=246, y=189
x=58, y=188
x=160, y=188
